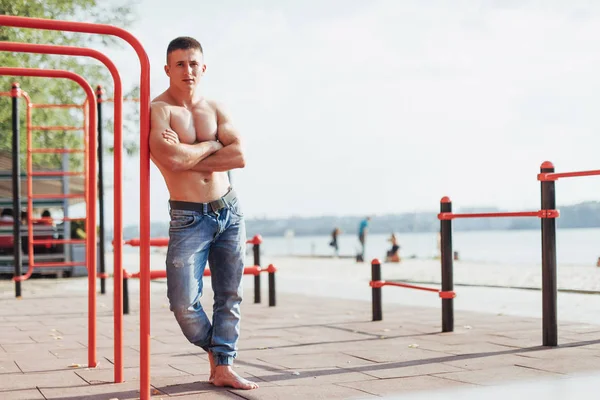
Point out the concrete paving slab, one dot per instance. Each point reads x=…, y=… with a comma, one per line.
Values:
x=383, y=387
x=21, y=394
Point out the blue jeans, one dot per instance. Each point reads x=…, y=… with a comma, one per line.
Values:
x=196, y=237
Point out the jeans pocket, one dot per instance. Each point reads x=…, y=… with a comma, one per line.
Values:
x=235, y=208
x=182, y=221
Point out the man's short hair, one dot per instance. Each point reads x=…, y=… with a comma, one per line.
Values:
x=183, y=43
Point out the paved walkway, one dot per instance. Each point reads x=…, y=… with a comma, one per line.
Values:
x=305, y=348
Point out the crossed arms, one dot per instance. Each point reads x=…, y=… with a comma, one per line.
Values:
x=209, y=156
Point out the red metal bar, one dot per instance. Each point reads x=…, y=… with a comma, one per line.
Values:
x=91, y=205
x=58, y=241
x=557, y=175
x=539, y=214
x=129, y=99
x=161, y=273
x=57, y=196
x=55, y=105
x=56, y=173
x=164, y=241
x=34, y=220
x=155, y=242
x=58, y=264
x=118, y=191
x=57, y=151
x=444, y=295
x=56, y=128
x=39, y=23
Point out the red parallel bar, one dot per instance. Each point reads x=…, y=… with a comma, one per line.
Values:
x=539, y=214
x=92, y=186
x=59, y=264
x=56, y=173
x=58, y=219
x=57, y=151
x=58, y=241
x=57, y=25
x=444, y=295
x=161, y=273
x=130, y=99
x=56, y=106
x=57, y=196
x=56, y=128
x=164, y=241
x=155, y=242
x=553, y=176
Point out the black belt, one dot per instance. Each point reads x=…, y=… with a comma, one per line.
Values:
x=213, y=206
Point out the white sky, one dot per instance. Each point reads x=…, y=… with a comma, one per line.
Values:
x=356, y=107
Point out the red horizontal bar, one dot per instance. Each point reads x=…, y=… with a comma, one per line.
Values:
x=57, y=196
x=156, y=242
x=553, y=176
x=56, y=173
x=161, y=273
x=58, y=241
x=443, y=294
x=58, y=219
x=58, y=264
x=164, y=241
x=539, y=214
x=56, y=128
x=59, y=151
x=131, y=99
x=56, y=106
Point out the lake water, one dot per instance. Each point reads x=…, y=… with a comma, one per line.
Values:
x=574, y=246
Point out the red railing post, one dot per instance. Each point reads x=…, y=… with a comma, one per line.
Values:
x=447, y=265
x=549, y=286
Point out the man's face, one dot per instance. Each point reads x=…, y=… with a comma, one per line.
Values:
x=184, y=68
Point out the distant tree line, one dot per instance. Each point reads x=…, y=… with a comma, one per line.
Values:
x=583, y=215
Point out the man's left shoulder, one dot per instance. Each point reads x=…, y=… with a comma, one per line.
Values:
x=215, y=104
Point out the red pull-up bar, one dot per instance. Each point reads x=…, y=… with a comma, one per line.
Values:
x=58, y=25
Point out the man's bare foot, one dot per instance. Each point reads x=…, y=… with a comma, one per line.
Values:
x=226, y=376
x=211, y=360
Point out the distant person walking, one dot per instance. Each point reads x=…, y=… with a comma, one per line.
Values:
x=334, y=241
x=362, y=237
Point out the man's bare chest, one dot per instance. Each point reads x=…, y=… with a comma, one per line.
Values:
x=196, y=125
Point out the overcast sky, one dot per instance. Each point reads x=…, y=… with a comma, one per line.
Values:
x=372, y=107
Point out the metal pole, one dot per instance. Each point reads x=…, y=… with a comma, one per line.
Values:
x=447, y=266
x=125, y=295
x=376, y=291
x=99, y=93
x=256, y=250
x=16, y=189
x=271, y=270
x=549, y=288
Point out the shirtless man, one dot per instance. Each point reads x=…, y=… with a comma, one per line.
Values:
x=193, y=144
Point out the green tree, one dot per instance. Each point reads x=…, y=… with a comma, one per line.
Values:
x=57, y=91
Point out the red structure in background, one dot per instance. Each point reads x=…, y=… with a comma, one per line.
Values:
x=90, y=205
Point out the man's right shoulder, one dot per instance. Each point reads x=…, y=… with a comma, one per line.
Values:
x=160, y=106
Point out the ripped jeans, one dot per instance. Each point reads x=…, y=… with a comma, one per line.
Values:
x=197, y=235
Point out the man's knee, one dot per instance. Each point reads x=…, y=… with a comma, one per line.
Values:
x=194, y=325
